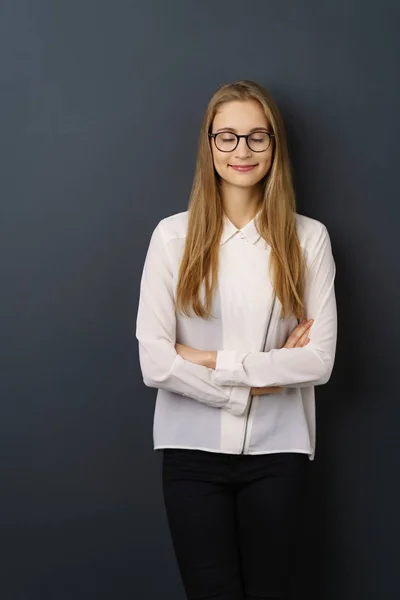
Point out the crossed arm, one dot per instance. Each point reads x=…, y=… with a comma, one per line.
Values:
x=225, y=379
x=208, y=358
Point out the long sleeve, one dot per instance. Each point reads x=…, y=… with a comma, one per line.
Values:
x=310, y=365
x=161, y=366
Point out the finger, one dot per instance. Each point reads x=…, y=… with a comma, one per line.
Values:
x=296, y=334
x=302, y=341
x=304, y=326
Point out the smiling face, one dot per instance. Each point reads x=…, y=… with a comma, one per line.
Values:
x=241, y=167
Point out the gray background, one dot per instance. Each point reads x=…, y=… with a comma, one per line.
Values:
x=101, y=104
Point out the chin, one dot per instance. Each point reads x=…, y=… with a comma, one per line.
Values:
x=243, y=181
x=244, y=184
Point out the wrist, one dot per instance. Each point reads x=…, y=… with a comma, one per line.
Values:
x=210, y=359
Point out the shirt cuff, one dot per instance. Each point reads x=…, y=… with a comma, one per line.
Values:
x=238, y=401
x=224, y=373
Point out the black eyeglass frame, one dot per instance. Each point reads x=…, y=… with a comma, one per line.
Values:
x=246, y=136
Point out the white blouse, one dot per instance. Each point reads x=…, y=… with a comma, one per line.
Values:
x=212, y=409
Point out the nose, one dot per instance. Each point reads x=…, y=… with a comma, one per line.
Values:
x=242, y=149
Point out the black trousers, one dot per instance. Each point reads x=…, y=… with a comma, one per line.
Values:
x=234, y=521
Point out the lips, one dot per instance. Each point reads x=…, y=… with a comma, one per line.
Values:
x=243, y=168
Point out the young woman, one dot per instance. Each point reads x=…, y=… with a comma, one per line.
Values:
x=236, y=325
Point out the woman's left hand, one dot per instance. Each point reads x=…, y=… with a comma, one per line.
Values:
x=205, y=358
x=263, y=391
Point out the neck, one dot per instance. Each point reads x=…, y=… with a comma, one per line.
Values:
x=240, y=204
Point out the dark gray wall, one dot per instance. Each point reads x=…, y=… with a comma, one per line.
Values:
x=101, y=104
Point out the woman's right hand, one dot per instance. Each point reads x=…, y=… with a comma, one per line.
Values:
x=297, y=339
x=299, y=336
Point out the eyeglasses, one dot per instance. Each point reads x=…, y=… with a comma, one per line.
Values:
x=257, y=141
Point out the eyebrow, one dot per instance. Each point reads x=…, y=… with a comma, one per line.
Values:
x=235, y=130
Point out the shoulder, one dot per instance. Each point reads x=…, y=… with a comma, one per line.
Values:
x=312, y=235
x=174, y=226
x=309, y=229
x=311, y=232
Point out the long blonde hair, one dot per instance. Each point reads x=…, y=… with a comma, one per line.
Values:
x=276, y=222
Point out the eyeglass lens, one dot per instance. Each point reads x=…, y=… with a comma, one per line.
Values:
x=257, y=141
